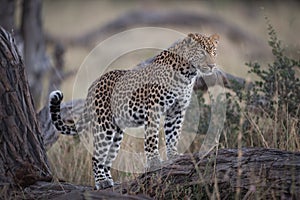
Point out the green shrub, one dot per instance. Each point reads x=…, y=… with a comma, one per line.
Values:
x=265, y=112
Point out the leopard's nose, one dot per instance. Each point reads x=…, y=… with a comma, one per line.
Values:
x=211, y=65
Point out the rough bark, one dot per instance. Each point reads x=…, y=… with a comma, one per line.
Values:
x=22, y=156
x=61, y=191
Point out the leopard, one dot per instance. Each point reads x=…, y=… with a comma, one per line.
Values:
x=138, y=97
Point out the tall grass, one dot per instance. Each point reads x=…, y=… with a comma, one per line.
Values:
x=70, y=161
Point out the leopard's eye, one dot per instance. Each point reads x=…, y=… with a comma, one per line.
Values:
x=203, y=52
x=202, y=55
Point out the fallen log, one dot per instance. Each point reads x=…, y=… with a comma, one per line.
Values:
x=248, y=173
x=63, y=190
x=226, y=174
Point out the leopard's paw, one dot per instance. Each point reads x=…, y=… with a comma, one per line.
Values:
x=104, y=184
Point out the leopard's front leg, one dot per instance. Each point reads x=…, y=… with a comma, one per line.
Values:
x=152, y=120
x=172, y=127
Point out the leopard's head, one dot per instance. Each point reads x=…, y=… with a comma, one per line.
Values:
x=201, y=52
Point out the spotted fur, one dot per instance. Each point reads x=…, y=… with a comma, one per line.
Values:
x=140, y=97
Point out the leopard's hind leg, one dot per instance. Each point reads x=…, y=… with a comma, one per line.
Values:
x=107, y=139
x=113, y=151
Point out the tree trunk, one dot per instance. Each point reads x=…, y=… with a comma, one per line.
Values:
x=22, y=155
x=7, y=14
x=36, y=60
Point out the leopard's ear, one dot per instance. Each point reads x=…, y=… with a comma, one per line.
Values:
x=191, y=35
x=215, y=38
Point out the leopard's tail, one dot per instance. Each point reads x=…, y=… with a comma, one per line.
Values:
x=55, y=99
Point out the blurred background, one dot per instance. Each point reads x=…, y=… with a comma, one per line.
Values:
x=241, y=25
x=65, y=32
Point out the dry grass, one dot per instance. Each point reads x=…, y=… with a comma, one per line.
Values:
x=70, y=161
